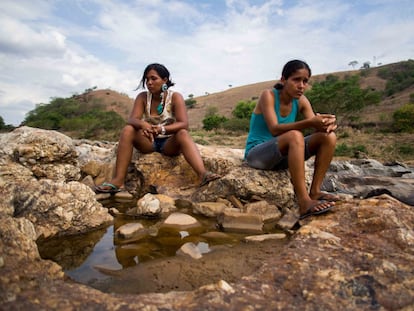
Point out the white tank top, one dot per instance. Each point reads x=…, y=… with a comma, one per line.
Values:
x=166, y=117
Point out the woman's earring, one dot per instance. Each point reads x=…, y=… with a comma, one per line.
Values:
x=164, y=87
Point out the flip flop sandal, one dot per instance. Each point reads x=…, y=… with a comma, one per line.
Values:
x=112, y=188
x=312, y=211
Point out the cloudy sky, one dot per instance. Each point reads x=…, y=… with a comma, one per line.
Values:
x=57, y=48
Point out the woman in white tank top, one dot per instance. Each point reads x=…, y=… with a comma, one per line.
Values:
x=158, y=122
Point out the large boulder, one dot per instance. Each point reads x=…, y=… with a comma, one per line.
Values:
x=39, y=175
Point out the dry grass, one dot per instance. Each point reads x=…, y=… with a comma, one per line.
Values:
x=384, y=147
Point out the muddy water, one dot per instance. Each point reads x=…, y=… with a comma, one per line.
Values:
x=151, y=265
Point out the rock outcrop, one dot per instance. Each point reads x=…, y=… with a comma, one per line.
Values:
x=358, y=257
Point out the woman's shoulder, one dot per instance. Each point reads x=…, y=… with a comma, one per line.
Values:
x=142, y=94
x=267, y=94
x=303, y=103
x=176, y=95
x=303, y=100
x=141, y=98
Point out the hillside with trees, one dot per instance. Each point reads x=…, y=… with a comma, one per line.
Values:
x=380, y=90
x=374, y=108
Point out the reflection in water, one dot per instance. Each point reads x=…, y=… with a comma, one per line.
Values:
x=95, y=256
x=70, y=251
x=79, y=255
x=90, y=257
x=131, y=254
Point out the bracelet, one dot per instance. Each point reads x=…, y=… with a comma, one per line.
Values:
x=163, y=131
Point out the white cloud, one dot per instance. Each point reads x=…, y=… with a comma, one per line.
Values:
x=17, y=37
x=57, y=48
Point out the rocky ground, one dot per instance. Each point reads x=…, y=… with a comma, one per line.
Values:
x=356, y=257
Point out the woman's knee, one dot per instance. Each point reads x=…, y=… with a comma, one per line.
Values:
x=128, y=130
x=332, y=137
x=327, y=139
x=129, y=133
x=294, y=137
x=182, y=135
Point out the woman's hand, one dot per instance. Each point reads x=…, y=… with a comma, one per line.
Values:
x=156, y=130
x=148, y=131
x=325, y=122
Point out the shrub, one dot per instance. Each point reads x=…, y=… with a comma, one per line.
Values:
x=213, y=122
x=190, y=102
x=403, y=118
x=342, y=150
x=244, y=110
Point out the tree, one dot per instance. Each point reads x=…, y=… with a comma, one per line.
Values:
x=2, y=124
x=341, y=96
x=190, y=101
x=353, y=64
x=366, y=65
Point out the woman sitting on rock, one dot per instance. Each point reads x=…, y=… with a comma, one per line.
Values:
x=275, y=140
x=158, y=122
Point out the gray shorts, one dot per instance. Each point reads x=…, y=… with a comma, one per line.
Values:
x=267, y=156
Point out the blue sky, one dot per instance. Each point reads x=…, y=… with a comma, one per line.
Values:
x=58, y=48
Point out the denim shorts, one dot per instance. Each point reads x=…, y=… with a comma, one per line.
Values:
x=267, y=156
x=159, y=143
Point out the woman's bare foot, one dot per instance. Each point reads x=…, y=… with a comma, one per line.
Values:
x=325, y=196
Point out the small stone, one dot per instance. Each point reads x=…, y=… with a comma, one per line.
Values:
x=129, y=230
x=264, y=237
x=191, y=250
x=223, y=285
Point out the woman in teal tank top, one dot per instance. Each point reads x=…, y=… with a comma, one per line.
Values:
x=275, y=139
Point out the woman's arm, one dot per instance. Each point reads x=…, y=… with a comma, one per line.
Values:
x=135, y=117
x=266, y=107
x=180, y=114
x=321, y=122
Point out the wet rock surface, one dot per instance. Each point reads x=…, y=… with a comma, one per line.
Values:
x=357, y=257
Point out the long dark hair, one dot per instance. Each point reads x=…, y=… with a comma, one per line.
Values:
x=290, y=68
x=162, y=72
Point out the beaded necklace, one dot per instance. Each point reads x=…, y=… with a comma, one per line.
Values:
x=160, y=107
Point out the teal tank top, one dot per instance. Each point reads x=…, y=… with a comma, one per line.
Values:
x=259, y=132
